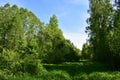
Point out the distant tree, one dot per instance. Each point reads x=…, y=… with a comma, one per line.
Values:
x=54, y=48
x=72, y=53
x=85, y=51
x=50, y=37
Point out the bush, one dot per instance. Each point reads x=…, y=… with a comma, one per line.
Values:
x=11, y=61
x=8, y=59
x=4, y=74
x=2, y=77
x=55, y=75
x=23, y=76
x=98, y=76
x=33, y=67
x=52, y=75
x=81, y=77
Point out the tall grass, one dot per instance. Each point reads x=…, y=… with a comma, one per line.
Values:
x=52, y=75
x=66, y=71
x=98, y=76
x=62, y=75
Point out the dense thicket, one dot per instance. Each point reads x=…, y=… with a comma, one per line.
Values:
x=104, y=31
x=54, y=48
x=25, y=41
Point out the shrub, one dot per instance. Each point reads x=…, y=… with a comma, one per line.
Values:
x=2, y=77
x=33, y=67
x=8, y=59
x=81, y=77
x=55, y=75
x=52, y=75
x=100, y=76
x=11, y=61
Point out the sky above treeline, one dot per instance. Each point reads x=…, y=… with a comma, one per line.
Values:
x=71, y=14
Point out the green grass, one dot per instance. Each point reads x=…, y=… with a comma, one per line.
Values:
x=98, y=76
x=74, y=68
x=83, y=70
x=52, y=75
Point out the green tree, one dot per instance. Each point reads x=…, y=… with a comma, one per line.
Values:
x=50, y=37
x=71, y=52
x=99, y=26
x=5, y=17
x=114, y=39
x=85, y=51
x=54, y=48
x=11, y=29
x=16, y=30
x=18, y=39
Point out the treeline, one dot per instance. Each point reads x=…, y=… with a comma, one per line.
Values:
x=104, y=33
x=25, y=41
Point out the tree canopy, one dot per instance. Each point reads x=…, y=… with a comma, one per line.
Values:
x=25, y=40
x=103, y=31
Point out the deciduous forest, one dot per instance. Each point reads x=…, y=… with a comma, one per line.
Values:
x=34, y=50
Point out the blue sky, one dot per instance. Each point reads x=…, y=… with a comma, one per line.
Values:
x=72, y=15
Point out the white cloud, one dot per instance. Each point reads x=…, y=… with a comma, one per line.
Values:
x=76, y=38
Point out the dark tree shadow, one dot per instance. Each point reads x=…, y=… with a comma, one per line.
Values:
x=74, y=68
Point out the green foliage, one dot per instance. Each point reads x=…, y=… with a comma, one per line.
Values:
x=86, y=52
x=74, y=68
x=99, y=26
x=98, y=76
x=104, y=32
x=72, y=53
x=53, y=38
x=52, y=75
x=33, y=66
x=11, y=27
x=82, y=76
x=83, y=70
x=55, y=75
x=25, y=41
x=2, y=76
x=52, y=42
x=113, y=39
x=9, y=59
x=23, y=33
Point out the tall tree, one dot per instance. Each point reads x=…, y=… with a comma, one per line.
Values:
x=51, y=37
x=99, y=25
x=114, y=39
x=5, y=17
x=11, y=28
x=16, y=30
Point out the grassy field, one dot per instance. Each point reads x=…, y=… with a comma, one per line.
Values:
x=74, y=68
x=86, y=70
x=83, y=70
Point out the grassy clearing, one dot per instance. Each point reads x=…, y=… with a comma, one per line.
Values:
x=74, y=68
x=83, y=70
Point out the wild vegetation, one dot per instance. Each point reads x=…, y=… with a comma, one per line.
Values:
x=103, y=32
x=33, y=50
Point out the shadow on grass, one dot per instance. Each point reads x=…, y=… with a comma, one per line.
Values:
x=74, y=68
